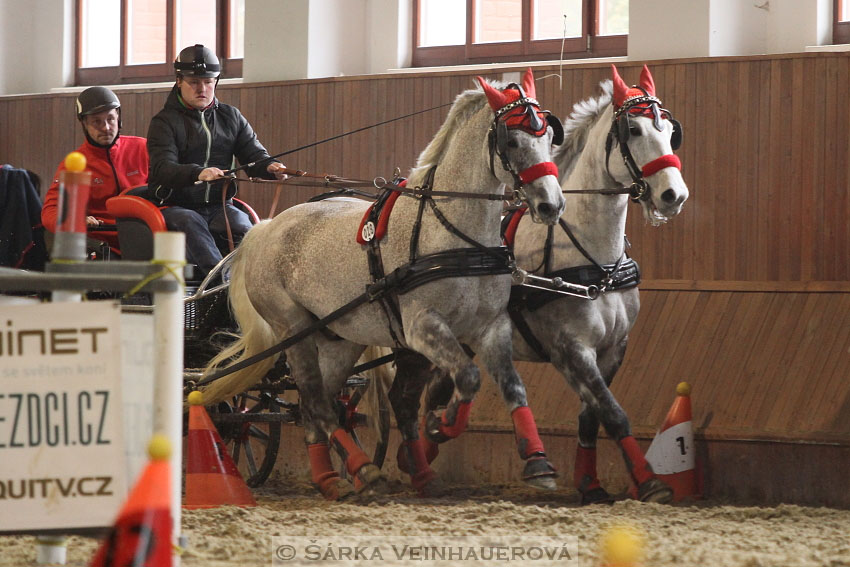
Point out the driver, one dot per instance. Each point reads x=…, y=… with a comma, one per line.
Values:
x=195, y=137
x=117, y=162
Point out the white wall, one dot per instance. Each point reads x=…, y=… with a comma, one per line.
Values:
x=296, y=39
x=276, y=39
x=36, y=45
x=337, y=38
x=664, y=29
x=659, y=29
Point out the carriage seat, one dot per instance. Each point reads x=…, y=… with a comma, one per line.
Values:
x=136, y=220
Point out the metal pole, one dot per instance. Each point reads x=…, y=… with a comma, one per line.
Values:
x=170, y=252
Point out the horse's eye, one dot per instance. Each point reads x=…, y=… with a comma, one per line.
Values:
x=513, y=144
x=634, y=131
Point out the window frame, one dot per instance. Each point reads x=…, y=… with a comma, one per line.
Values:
x=590, y=44
x=840, y=30
x=153, y=72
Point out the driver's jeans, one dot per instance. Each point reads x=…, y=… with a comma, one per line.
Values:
x=205, y=228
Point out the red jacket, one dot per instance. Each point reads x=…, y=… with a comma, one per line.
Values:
x=129, y=155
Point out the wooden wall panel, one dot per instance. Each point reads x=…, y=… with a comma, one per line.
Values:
x=733, y=296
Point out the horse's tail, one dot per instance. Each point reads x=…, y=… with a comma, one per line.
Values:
x=255, y=334
x=380, y=381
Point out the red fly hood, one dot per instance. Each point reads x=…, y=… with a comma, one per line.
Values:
x=516, y=105
x=636, y=98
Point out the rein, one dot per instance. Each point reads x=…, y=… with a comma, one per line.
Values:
x=230, y=172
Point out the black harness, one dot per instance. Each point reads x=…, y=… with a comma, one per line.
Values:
x=478, y=260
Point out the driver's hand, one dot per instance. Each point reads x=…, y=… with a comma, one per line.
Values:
x=278, y=169
x=92, y=221
x=211, y=174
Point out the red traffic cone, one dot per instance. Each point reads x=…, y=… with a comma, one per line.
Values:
x=672, y=452
x=212, y=478
x=141, y=535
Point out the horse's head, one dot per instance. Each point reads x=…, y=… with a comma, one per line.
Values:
x=647, y=135
x=522, y=135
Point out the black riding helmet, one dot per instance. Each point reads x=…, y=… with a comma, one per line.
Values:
x=94, y=100
x=197, y=61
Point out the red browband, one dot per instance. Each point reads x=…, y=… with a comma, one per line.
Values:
x=656, y=165
x=537, y=171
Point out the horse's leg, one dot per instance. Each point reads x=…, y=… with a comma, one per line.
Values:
x=428, y=333
x=495, y=350
x=585, y=476
x=336, y=359
x=413, y=371
x=579, y=364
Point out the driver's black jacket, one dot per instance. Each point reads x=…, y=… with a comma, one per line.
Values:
x=183, y=141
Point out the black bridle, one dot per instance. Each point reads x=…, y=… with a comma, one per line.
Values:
x=620, y=132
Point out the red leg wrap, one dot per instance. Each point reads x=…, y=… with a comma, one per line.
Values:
x=527, y=440
x=638, y=467
x=354, y=456
x=323, y=474
x=452, y=430
x=585, y=470
x=421, y=473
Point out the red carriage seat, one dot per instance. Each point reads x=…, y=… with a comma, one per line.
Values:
x=137, y=219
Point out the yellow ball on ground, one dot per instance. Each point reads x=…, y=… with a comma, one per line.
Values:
x=75, y=162
x=195, y=398
x=683, y=389
x=622, y=546
x=159, y=447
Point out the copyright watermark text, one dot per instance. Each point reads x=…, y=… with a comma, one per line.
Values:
x=426, y=551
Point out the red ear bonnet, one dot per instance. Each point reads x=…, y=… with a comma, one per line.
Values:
x=623, y=93
x=517, y=117
x=646, y=81
x=495, y=97
x=528, y=84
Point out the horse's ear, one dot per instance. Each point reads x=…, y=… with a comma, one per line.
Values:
x=646, y=81
x=494, y=96
x=528, y=86
x=620, y=88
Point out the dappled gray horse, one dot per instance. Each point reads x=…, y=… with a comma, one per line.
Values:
x=305, y=264
x=618, y=145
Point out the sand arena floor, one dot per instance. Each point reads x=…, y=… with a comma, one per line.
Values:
x=703, y=534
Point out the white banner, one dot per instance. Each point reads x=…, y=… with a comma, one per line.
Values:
x=62, y=458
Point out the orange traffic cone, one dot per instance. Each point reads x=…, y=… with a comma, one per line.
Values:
x=672, y=452
x=212, y=478
x=141, y=535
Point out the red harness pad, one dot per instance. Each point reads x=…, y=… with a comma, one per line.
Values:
x=510, y=230
x=383, y=218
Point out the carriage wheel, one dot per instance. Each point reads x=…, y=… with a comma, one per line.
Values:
x=253, y=444
x=373, y=440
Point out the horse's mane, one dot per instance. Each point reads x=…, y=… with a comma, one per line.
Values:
x=465, y=105
x=577, y=128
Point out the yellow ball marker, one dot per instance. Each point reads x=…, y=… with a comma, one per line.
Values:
x=622, y=546
x=159, y=448
x=75, y=162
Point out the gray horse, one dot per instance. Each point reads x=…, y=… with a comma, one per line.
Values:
x=305, y=264
x=585, y=340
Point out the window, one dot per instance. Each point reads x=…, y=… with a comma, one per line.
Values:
x=453, y=32
x=136, y=41
x=841, y=21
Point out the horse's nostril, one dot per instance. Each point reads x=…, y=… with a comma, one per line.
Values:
x=669, y=196
x=545, y=210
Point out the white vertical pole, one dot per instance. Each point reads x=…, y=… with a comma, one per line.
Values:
x=170, y=250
